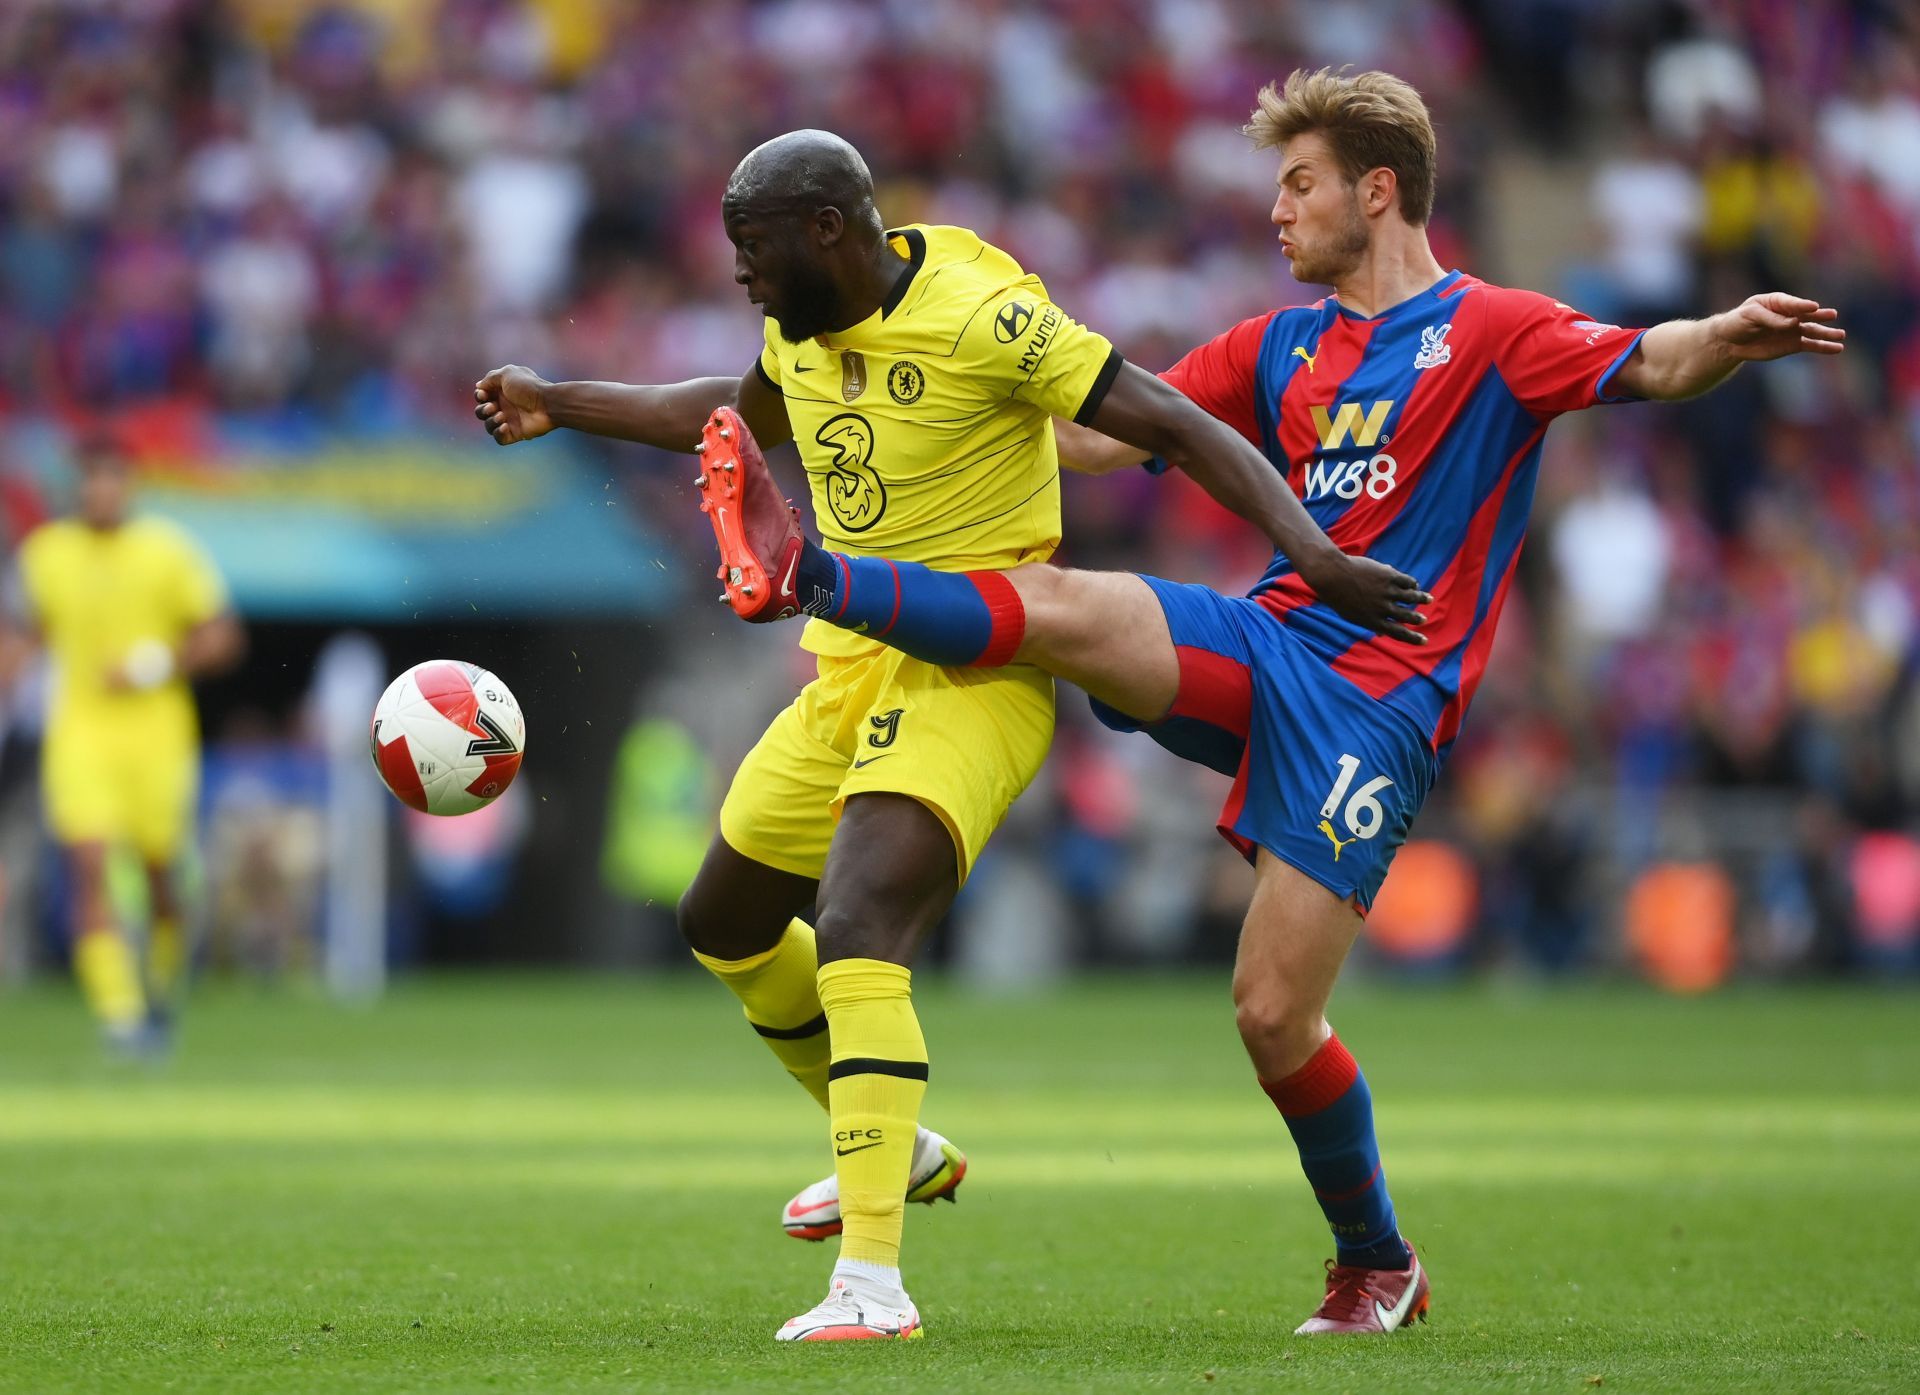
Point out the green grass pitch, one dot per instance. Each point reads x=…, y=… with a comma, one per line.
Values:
x=563, y=1184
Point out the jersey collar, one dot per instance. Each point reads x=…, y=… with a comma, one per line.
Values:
x=916, y=258
x=1419, y=298
x=916, y=254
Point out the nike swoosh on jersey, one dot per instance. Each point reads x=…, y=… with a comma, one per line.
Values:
x=807, y=368
x=871, y=759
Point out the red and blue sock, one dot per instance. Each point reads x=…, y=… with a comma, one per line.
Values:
x=1329, y=1112
x=950, y=618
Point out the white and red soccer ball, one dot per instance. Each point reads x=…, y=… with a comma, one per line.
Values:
x=447, y=737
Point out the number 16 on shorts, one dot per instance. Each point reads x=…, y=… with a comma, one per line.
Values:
x=1363, y=816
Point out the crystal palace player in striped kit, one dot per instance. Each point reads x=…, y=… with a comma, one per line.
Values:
x=1407, y=411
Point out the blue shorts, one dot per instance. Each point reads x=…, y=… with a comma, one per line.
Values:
x=1325, y=778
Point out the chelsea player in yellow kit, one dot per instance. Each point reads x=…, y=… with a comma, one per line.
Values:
x=129, y=609
x=917, y=370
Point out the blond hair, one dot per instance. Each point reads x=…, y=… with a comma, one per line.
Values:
x=1370, y=120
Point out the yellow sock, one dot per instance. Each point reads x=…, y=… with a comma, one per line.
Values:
x=109, y=978
x=877, y=1080
x=782, y=1003
x=166, y=957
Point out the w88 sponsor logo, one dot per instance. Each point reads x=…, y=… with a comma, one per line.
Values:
x=1345, y=479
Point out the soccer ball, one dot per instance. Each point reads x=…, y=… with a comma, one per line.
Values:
x=447, y=737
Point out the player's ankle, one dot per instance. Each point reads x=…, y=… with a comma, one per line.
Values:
x=1392, y=1253
x=881, y=1280
x=816, y=579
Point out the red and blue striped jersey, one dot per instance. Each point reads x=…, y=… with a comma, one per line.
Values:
x=1413, y=436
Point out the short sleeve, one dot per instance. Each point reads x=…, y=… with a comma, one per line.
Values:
x=1219, y=375
x=1041, y=355
x=1551, y=357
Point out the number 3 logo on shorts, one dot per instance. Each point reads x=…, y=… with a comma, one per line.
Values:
x=1364, y=817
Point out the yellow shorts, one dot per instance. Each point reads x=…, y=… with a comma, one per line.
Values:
x=964, y=742
x=116, y=785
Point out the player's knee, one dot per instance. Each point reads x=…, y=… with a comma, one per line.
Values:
x=850, y=934
x=715, y=930
x=1276, y=1023
x=1057, y=614
x=1039, y=585
x=686, y=915
x=87, y=863
x=160, y=895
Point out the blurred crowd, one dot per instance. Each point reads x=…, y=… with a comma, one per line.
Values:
x=292, y=213
x=281, y=205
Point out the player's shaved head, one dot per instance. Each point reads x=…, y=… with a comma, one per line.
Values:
x=800, y=173
x=811, y=247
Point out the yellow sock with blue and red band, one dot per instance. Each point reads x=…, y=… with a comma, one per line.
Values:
x=1329, y=1111
x=779, y=992
x=876, y=1082
x=951, y=618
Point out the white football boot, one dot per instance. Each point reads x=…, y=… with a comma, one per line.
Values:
x=856, y=1309
x=934, y=1175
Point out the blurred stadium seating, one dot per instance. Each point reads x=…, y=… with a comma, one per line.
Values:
x=271, y=244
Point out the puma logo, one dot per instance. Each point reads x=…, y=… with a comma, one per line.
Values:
x=1326, y=827
x=1305, y=357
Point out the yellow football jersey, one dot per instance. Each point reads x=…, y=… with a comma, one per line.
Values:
x=926, y=429
x=95, y=595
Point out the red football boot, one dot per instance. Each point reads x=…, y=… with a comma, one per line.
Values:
x=757, y=528
x=1370, y=1300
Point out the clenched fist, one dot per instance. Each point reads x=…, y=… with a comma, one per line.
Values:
x=513, y=404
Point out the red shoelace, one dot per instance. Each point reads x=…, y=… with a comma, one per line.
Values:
x=1348, y=1297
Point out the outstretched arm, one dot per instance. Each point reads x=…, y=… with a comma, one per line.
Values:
x=517, y=404
x=1158, y=419
x=1684, y=358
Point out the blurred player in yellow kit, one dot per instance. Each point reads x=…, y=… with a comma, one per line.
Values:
x=129, y=609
